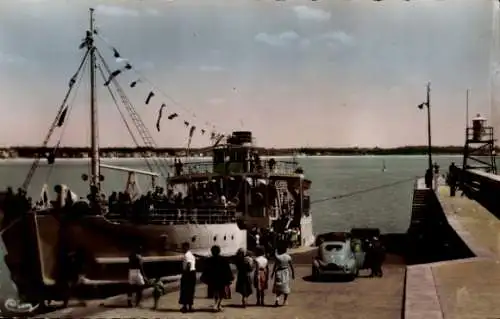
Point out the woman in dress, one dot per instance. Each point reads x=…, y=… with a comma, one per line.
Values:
x=261, y=275
x=188, y=279
x=136, y=277
x=244, y=277
x=217, y=276
x=282, y=271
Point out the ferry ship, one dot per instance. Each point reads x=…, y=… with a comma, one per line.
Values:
x=204, y=204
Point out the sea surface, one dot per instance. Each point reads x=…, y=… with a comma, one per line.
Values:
x=387, y=208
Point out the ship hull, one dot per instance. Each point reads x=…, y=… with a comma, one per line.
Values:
x=107, y=246
x=165, y=239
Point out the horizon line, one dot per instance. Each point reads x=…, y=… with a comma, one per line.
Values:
x=258, y=147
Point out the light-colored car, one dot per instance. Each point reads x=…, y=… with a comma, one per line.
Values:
x=338, y=258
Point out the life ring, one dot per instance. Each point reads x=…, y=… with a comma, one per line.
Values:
x=13, y=307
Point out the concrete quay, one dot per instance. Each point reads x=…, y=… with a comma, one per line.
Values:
x=370, y=298
x=466, y=288
x=459, y=289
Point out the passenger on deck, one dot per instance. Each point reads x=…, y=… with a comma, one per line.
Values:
x=271, y=163
x=178, y=167
x=112, y=203
x=257, y=160
x=15, y=205
x=58, y=202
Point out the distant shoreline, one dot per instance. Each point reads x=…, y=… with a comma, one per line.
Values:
x=30, y=152
x=23, y=160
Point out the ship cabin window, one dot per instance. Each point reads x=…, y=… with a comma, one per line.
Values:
x=219, y=156
x=238, y=155
x=215, y=238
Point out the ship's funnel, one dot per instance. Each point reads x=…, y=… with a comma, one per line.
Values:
x=241, y=137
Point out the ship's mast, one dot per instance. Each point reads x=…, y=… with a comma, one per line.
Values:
x=94, y=141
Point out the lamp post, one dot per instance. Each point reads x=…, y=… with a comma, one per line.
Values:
x=427, y=103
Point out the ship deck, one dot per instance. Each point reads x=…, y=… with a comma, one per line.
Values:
x=466, y=288
x=362, y=298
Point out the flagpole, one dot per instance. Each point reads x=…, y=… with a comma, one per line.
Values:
x=467, y=108
x=429, y=135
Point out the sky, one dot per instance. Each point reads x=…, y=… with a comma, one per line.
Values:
x=296, y=73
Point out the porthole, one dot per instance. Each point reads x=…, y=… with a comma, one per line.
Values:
x=193, y=239
x=215, y=238
x=225, y=237
x=232, y=237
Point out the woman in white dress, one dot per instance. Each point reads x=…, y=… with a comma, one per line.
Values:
x=283, y=273
x=261, y=275
x=136, y=277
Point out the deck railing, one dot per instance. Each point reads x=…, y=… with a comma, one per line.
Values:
x=279, y=167
x=180, y=216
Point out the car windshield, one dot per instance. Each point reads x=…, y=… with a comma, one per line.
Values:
x=333, y=248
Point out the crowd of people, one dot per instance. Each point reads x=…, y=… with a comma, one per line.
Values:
x=432, y=177
x=199, y=204
x=13, y=204
x=205, y=197
x=268, y=238
x=252, y=274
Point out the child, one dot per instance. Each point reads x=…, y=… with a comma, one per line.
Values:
x=158, y=291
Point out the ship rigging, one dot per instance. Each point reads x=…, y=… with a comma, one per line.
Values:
x=204, y=204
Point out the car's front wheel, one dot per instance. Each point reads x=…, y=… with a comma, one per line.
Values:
x=354, y=274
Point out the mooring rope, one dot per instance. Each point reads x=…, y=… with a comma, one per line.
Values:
x=366, y=190
x=10, y=225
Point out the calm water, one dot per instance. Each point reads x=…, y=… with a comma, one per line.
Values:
x=386, y=208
